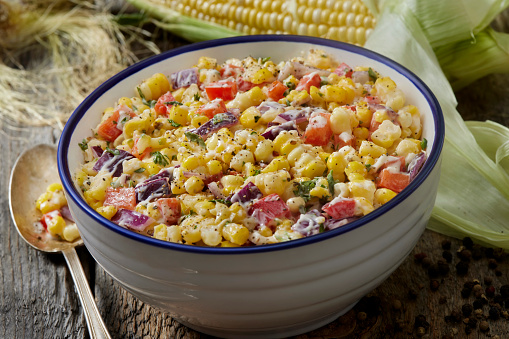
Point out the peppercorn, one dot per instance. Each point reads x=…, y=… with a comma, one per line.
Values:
x=477, y=304
x=433, y=271
x=362, y=316
x=396, y=304
x=477, y=290
x=467, y=310
x=446, y=244
x=490, y=291
x=504, y=291
x=488, y=280
x=434, y=284
x=468, y=330
x=484, y=326
x=442, y=300
x=419, y=256
x=412, y=295
x=465, y=255
x=443, y=267
x=469, y=284
x=421, y=331
x=465, y=292
x=476, y=252
x=472, y=323
x=426, y=262
x=462, y=268
x=505, y=314
x=492, y=264
x=447, y=255
x=467, y=242
x=498, y=272
x=489, y=252
x=479, y=313
x=499, y=254
x=420, y=321
x=455, y=316
x=498, y=299
x=494, y=313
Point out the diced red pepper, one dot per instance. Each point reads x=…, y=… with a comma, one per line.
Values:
x=223, y=89
x=276, y=90
x=163, y=104
x=372, y=100
x=318, y=132
x=136, y=152
x=393, y=161
x=123, y=197
x=212, y=108
x=170, y=210
x=308, y=80
x=108, y=129
x=47, y=217
x=231, y=71
x=344, y=70
x=244, y=85
x=269, y=208
x=395, y=181
x=341, y=140
x=344, y=208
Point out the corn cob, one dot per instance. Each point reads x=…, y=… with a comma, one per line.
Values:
x=342, y=20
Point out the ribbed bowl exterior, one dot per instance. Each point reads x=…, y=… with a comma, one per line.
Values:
x=285, y=290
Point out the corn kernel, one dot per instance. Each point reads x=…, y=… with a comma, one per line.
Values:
x=190, y=163
x=194, y=185
x=70, y=232
x=107, y=211
x=207, y=63
x=314, y=168
x=235, y=233
x=356, y=170
x=214, y=167
x=56, y=225
x=250, y=118
x=199, y=120
x=126, y=102
x=160, y=232
x=261, y=76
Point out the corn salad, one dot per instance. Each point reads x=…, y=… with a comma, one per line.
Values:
x=253, y=151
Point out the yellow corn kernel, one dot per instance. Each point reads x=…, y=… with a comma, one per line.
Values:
x=235, y=233
x=364, y=115
x=107, y=211
x=238, y=213
x=361, y=133
x=142, y=123
x=179, y=114
x=56, y=225
x=199, y=120
x=160, y=232
x=155, y=86
x=324, y=155
x=314, y=168
x=264, y=151
x=273, y=182
x=190, y=163
x=296, y=98
x=316, y=96
x=191, y=228
x=55, y=187
x=362, y=188
x=383, y=196
x=278, y=163
x=80, y=177
x=250, y=169
x=174, y=233
x=340, y=121
x=265, y=231
x=289, y=146
x=337, y=164
x=261, y=76
x=371, y=149
x=356, y=170
x=321, y=189
x=204, y=208
x=383, y=85
x=407, y=146
x=231, y=183
x=363, y=206
x=194, y=185
x=381, y=115
x=207, y=63
x=250, y=118
x=386, y=134
x=151, y=167
x=126, y=102
x=70, y=232
x=334, y=93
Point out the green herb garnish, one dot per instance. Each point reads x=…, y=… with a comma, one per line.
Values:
x=150, y=103
x=197, y=97
x=424, y=143
x=159, y=158
x=113, y=151
x=303, y=188
x=195, y=138
x=222, y=201
x=264, y=60
x=372, y=74
x=173, y=123
x=176, y=103
x=139, y=170
x=83, y=145
x=331, y=182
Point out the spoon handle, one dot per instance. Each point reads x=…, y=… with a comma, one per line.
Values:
x=95, y=323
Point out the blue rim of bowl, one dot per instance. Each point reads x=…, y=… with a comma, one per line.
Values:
x=433, y=157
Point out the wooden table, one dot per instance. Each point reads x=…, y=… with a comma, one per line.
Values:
x=420, y=299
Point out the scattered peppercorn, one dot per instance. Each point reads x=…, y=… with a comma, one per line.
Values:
x=443, y=267
x=412, y=295
x=488, y=251
x=434, y=284
x=421, y=331
x=396, y=304
x=433, y=271
x=498, y=272
x=467, y=242
x=490, y=291
x=455, y=317
x=492, y=264
x=477, y=290
x=465, y=255
x=484, y=326
x=497, y=299
x=488, y=280
x=472, y=323
x=477, y=304
x=446, y=244
x=362, y=316
x=468, y=330
x=447, y=255
x=462, y=268
x=477, y=252
x=467, y=310
x=420, y=321
x=504, y=291
x=465, y=292
x=419, y=256
x=494, y=313
x=499, y=254
x=479, y=313
x=426, y=262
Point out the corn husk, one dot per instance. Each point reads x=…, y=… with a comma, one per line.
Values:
x=473, y=194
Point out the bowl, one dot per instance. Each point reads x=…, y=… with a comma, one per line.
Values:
x=265, y=291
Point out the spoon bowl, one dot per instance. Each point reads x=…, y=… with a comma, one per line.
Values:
x=34, y=170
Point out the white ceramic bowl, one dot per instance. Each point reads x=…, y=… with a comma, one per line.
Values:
x=266, y=291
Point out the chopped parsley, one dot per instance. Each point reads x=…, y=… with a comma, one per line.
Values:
x=139, y=170
x=218, y=118
x=159, y=158
x=372, y=74
x=113, y=151
x=256, y=118
x=264, y=60
x=83, y=145
x=290, y=85
x=195, y=138
x=176, y=103
x=222, y=201
x=303, y=188
x=150, y=103
x=196, y=97
x=173, y=123
x=256, y=172
x=331, y=182
x=368, y=167
x=424, y=143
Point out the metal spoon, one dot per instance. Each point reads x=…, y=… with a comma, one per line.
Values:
x=33, y=171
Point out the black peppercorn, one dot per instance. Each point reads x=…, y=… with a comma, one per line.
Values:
x=492, y=264
x=477, y=304
x=465, y=292
x=467, y=242
x=467, y=310
x=494, y=313
x=447, y=255
x=488, y=280
x=434, y=284
x=420, y=321
x=499, y=254
x=462, y=268
x=412, y=295
x=362, y=316
x=433, y=271
x=419, y=256
x=476, y=252
x=443, y=267
x=465, y=255
x=446, y=244
x=498, y=272
x=504, y=291
x=426, y=262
